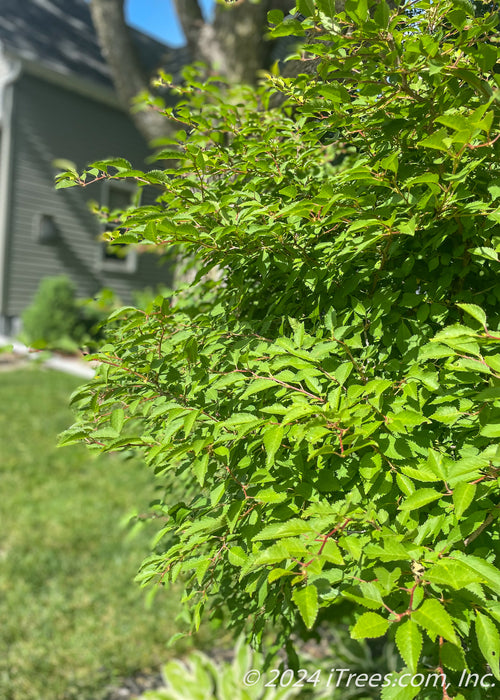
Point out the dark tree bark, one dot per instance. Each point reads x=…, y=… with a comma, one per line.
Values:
x=234, y=45
x=126, y=70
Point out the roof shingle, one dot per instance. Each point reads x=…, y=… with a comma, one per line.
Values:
x=59, y=34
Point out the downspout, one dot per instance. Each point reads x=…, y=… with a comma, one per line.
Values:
x=6, y=167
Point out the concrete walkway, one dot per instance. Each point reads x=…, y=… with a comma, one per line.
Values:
x=70, y=365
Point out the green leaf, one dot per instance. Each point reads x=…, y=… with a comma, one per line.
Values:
x=306, y=7
x=237, y=556
x=278, y=573
x=492, y=430
x=117, y=419
x=382, y=14
x=463, y=495
x=289, y=528
x=399, y=687
x=433, y=617
x=200, y=467
x=327, y=7
x=275, y=16
x=270, y=495
x=357, y=9
x=490, y=573
x=453, y=573
x=457, y=122
x=306, y=599
x=420, y=473
x=494, y=189
x=369, y=626
x=438, y=140
x=409, y=642
x=259, y=385
x=289, y=27
x=419, y=499
x=485, y=252
x=489, y=642
x=72, y=436
x=474, y=311
x=189, y=422
x=453, y=657
x=272, y=441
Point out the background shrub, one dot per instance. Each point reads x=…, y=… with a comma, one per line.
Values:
x=56, y=319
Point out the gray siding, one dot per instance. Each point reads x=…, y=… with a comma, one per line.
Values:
x=50, y=123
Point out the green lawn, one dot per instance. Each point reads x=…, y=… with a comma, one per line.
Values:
x=71, y=618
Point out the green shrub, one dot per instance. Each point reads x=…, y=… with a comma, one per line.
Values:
x=330, y=413
x=53, y=316
x=201, y=678
x=56, y=319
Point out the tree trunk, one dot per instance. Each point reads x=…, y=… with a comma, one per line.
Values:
x=125, y=67
x=234, y=45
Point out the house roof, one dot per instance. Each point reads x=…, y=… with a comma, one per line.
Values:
x=60, y=36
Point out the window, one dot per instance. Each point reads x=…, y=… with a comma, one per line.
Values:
x=116, y=257
x=46, y=229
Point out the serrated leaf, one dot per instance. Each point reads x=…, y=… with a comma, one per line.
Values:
x=117, y=419
x=189, y=422
x=419, y=499
x=399, y=688
x=453, y=657
x=485, y=252
x=438, y=140
x=71, y=436
x=382, y=14
x=492, y=430
x=489, y=642
x=259, y=385
x=332, y=553
x=278, y=573
x=465, y=469
x=237, y=556
x=420, y=473
x=433, y=617
x=369, y=626
x=489, y=572
x=272, y=441
x=200, y=467
x=454, y=573
x=270, y=495
x=463, y=495
x=474, y=311
x=409, y=642
x=306, y=599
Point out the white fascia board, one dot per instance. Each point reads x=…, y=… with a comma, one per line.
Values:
x=11, y=70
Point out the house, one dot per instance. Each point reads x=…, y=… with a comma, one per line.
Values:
x=57, y=101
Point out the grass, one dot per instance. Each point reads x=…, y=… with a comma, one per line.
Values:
x=71, y=619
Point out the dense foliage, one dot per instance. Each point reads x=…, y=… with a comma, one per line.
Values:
x=327, y=411
x=53, y=314
x=56, y=319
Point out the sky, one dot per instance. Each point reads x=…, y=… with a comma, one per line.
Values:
x=157, y=18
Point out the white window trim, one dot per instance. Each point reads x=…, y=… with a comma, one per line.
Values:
x=129, y=263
